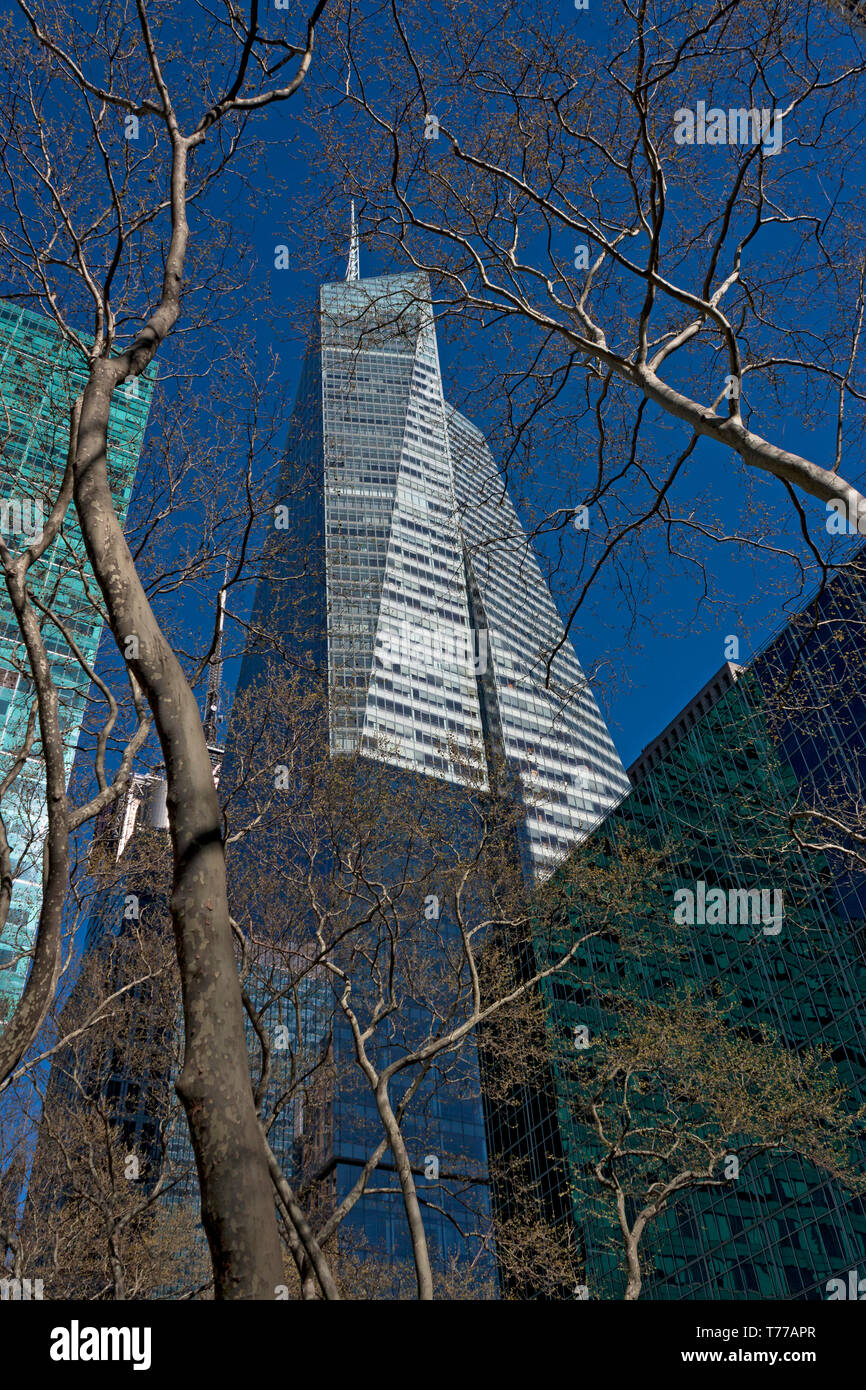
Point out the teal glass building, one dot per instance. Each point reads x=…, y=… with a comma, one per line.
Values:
x=40, y=377
x=789, y=736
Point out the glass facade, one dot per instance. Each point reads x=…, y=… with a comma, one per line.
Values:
x=788, y=736
x=422, y=596
x=399, y=573
x=40, y=376
x=539, y=709
x=400, y=644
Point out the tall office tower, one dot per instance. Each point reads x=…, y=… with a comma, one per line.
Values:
x=422, y=595
x=398, y=569
x=736, y=809
x=40, y=376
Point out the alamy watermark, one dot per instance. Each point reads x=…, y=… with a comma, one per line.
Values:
x=21, y=517
x=415, y=648
x=740, y=125
x=77, y=1343
x=24, y=1289
x=714, y=906
x=848, y=1287
x=842, y=520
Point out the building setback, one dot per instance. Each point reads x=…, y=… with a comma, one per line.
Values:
x=699, y=705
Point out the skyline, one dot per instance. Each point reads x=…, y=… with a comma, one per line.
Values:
x=370, y=332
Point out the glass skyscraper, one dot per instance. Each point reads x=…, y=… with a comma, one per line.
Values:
x=399, y=571
x=541, y=717
x=40, y=377
x=788, y=736
x=422, y=595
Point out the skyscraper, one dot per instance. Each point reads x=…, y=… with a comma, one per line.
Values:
x=40, y=376
x=399, y=571
x=421, y=593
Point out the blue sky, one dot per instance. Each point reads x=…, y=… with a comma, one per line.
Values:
x=650, y=655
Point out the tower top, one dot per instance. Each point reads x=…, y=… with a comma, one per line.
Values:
x=353, y=269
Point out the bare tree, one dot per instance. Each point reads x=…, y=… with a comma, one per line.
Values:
x=618, y=260
x=100, y=1217
x=103, y=231
x=385, y=929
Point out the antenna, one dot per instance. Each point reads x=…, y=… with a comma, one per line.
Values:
x=214, y=682
x=353, y=269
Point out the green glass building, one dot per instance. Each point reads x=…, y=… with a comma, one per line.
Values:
x=788, y=736
x=40, y=376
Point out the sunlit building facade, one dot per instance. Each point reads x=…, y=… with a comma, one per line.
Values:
x=443, y=645
x=40, y=376
x=400, y=572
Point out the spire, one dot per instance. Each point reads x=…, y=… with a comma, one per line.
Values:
x=353, y=269
x=214, y=682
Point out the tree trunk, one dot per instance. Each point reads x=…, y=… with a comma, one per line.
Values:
x=423, y=1271
x=238, y=1209
x=634, y=1283
x=631, y=1239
